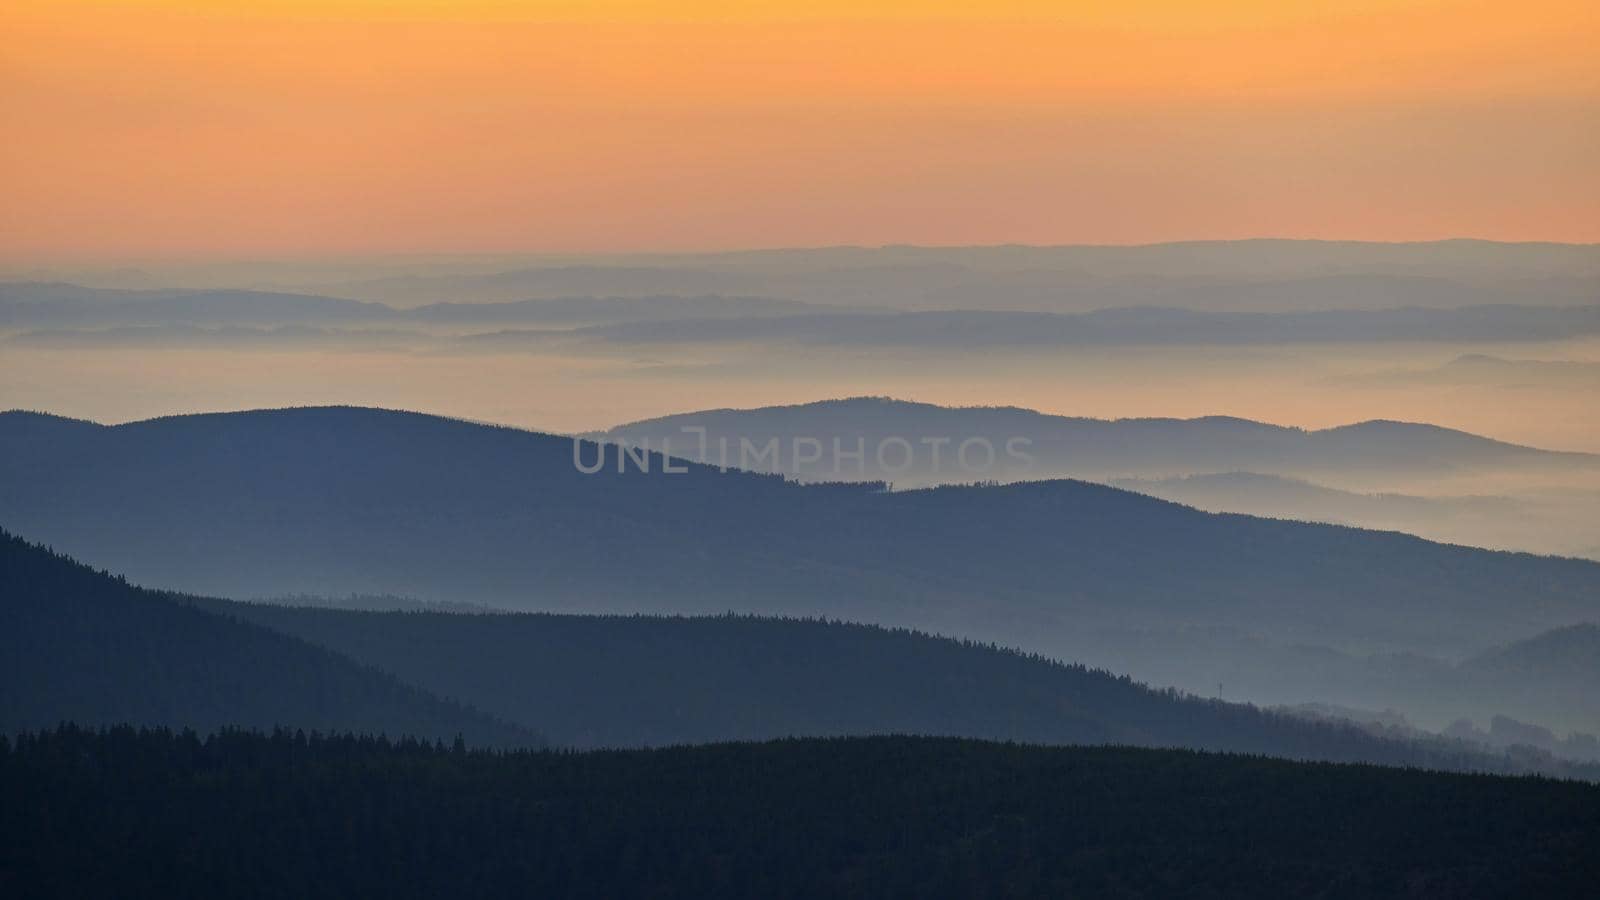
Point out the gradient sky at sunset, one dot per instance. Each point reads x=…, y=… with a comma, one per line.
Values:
x=183, y=129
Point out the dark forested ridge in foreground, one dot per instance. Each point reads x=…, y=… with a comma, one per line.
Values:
x=337, y=500
x=284, y=815
x=80, y=645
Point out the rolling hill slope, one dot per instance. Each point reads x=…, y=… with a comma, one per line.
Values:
x=630, y=681
x=84, y=646
x=341, y=500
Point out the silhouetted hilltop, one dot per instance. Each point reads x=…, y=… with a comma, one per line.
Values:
x=84, y=646
x=24, y=430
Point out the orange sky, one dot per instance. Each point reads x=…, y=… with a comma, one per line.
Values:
x=180, y=129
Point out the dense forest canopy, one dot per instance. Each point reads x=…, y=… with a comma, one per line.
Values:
x=159, y=814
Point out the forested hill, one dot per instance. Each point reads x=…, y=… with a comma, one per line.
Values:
x=637, y=680
x=87, y=647
x=80, y=645
x=287, y=816
x=341, y=500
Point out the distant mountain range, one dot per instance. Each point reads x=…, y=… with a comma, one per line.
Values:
x=1255, y=275
x=1123, y=326
x=718, y=318
x=56, y=305
x=1486, y=370
x=1045, y=445
x=1217, y=463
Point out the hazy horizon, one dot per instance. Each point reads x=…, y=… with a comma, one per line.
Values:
x=1340, y=333
x=201, y=268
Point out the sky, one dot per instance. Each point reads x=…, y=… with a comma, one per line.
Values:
x=143, y=129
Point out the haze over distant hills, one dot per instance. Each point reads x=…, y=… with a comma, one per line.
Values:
x=340, y=500
x=1561, y=521
x=1258, y=275
x=1309, y=333
x=1062, y=445
x=1122, y=326
x=1217, y=463
x=57, y=304
x=1487, y=370
x=938, y=280
x=1281, y=497
x=60, y=305
x=47, y=309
